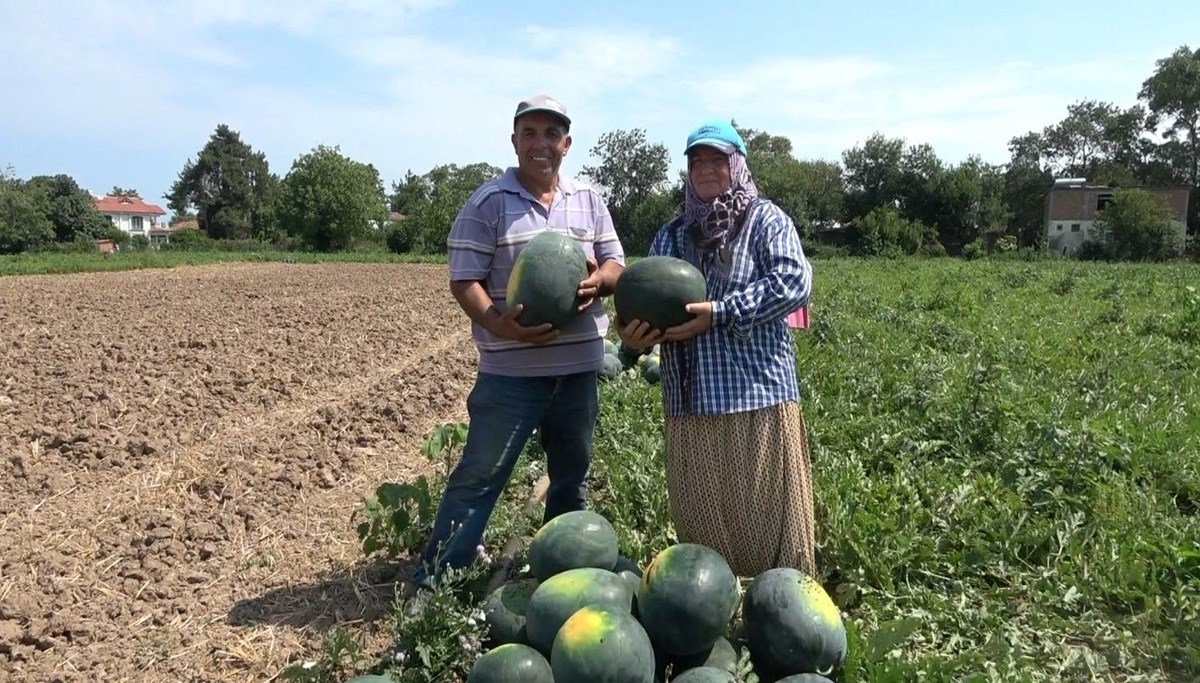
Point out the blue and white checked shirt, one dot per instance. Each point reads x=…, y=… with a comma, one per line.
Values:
x=746, y=361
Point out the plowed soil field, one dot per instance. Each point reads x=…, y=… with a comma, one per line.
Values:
x=181, y=452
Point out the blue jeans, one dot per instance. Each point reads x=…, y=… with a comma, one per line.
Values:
x=503, y=414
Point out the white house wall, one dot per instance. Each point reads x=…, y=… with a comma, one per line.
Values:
x=124, y=221
x=1063, y=238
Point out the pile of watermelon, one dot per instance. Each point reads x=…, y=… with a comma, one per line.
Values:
x=619, y=359
x=582, y=613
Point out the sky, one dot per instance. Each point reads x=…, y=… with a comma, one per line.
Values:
x=124, y=92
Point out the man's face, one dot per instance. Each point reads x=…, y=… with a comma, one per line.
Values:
x=541, y=141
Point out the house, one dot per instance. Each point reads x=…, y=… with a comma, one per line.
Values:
x=1072, y=205
x=132, y=215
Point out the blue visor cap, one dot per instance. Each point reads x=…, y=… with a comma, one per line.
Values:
x=719, y=134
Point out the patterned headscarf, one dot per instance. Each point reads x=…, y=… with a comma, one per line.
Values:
x=715, y=223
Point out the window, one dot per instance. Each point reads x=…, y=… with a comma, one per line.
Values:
x=1074, y=227
x=1058, y=227
x=1102, y=200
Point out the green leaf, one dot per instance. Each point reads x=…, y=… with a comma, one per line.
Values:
x=889, y=636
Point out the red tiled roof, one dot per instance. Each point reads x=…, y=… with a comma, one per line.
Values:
x=133, y=205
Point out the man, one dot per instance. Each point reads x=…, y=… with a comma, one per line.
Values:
x=529, y=377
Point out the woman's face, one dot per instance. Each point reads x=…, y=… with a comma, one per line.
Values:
x=708, y=169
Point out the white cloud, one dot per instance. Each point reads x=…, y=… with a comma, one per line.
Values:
x=159, y=76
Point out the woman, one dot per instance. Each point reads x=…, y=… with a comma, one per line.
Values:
x=738, y=471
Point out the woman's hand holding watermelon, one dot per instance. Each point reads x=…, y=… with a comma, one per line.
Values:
x=698, y=325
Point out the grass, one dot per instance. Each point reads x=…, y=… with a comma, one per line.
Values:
x=83, y=262
x=1005, y=457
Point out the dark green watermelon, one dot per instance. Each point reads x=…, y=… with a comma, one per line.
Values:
x=628, y=570
x=561, y=595
x=504, y=611
x=612, y=367
x=545, y=280
x=656, y=289
x=629, y=357
x=602, y=644
x=792, y=625
x=705, y=674
x=721, y=655
x=580, y=538
x=511, y=663
x=687, y=598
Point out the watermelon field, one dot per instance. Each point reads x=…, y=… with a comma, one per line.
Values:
x=219, y=473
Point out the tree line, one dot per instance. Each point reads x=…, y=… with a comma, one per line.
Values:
x=883, y=196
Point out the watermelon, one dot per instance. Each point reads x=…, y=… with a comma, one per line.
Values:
x=721, y=655
x=511, y=663
x=629, y=356
x=610, y=349
x=628, y=570
x=687, y=598
x=804, y=678
x=705, y=674
x=580, y=538
x=504, y=611
x=652, y=370
x=602, y=644
x=612, y=367
x=545, y=280
x=656, y=289
x=792, y=625
x=561, y=595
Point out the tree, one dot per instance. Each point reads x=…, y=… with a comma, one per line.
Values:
x=1172, y=94
x=431, y=202
x=824, y=192
x=874, y=176
x=118, y=191
x=230, y=186
x=1027, y=179
x=969, y=200
x=330, y=200
x=1137, y=226
x=23, y=224
x=778, y=175
x=628, y=171
x=69, y=207
x=1100, y=142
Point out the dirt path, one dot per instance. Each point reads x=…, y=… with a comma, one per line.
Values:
x=184, y=449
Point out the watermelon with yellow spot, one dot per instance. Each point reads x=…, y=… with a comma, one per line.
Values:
x=511, y=663
x=687, y=599
x=561, y=595
x=545, y=280
x=602, y=644
x=580, y=538
x=792, y=625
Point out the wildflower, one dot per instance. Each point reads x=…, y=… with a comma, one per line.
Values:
x=483, y=554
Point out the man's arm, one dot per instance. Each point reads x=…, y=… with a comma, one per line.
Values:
x=473, y=298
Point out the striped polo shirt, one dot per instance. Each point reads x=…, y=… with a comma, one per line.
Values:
x=498, y=220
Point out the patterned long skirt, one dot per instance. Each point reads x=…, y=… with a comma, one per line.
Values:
x=741, y=484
